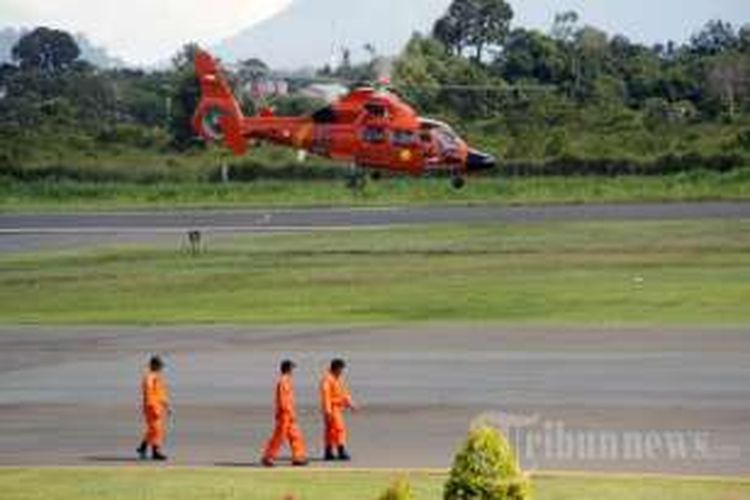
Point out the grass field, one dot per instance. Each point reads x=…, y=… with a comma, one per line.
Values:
x=688, y=272
x=230, y=484
x=68, y=195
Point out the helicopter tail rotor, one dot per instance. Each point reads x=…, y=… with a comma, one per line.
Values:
x=218, y=116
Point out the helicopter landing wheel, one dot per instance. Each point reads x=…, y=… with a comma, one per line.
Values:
x=357, y=181
x=458, y=182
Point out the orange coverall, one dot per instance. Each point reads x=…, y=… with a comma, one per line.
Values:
x=286, y=427
x=334, y=399
x=155, y=402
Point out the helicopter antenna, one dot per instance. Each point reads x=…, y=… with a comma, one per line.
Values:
x=332, y=56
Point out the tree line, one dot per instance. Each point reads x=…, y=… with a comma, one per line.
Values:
x=571, y=92
x=475, y=43
x=577, y=93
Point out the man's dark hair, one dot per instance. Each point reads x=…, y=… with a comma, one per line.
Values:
x=337, y=365
x=155, y=363
x=287, y=366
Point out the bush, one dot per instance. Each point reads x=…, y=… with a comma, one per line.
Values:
x=668, y=164
x=399, y=490
x=248, y=170
x=486, y=468
x=743, y=139
x=8, y=160
x=134, y=136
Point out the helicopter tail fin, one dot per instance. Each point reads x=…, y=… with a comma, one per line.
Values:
x=218, y=116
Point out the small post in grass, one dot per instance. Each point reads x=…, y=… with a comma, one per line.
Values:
x=195, y=242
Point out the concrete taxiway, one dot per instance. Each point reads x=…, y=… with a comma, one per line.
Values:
x=69, y=396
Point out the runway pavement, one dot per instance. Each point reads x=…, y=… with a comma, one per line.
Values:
x=613, y=399
x=28, y=232
x=346, y=217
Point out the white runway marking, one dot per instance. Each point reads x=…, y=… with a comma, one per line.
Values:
x=180, y=230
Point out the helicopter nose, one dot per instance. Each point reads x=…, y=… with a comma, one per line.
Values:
x=477, y=160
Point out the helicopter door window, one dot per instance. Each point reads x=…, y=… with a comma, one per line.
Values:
x=403, y=138
x=325, y=115
x=374, y=135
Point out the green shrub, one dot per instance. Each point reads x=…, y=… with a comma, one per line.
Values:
x=742, y=139
x=134, y=136
x=399, y=490
x=486, y=468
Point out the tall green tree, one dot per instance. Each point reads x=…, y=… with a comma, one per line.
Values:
x=442, y=83
x=729, y=80
x=640, y=67
x=531, y=55
x=453, y=29
x=46, y=49
x=475, y=25
x=491, y=28
x=184, y=97
x=589, y=56
x=252, y=69
x=716, y=36
x=565, y=26
x=744, y=38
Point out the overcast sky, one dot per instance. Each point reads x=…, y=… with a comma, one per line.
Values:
x=142, y=31
x=642, y=20
x=145, y=31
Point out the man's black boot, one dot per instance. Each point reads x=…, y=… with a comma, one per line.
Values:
x=329, y=454
x=343, y=455
x=141, y=450
x=156, y=454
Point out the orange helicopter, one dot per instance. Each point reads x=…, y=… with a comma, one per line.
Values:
x=369, y=128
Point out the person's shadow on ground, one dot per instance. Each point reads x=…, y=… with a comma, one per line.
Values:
x=113, y=459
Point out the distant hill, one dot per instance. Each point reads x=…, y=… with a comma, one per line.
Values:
x=307, y=34
x=97, y=56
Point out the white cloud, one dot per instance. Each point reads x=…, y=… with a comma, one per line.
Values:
x=143, y=31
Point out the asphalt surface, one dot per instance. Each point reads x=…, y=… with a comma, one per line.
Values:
x=611, y=399
x=23, y=232
x=345, y=217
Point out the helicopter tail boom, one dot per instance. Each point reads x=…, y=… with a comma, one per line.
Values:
x=218, y=116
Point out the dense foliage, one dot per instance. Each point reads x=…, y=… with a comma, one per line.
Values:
x=486, y=468
x=572, y=100
x=577, y=93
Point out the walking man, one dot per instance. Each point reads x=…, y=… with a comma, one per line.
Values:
x=334, y=400
x=286, y=427
x=155, y=410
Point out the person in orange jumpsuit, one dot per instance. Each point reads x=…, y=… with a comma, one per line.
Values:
x=155, y=410
x=334, y=400
x=286, y=428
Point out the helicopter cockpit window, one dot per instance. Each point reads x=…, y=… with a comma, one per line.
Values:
x=403, y=138
x=446, y=139
x=325, y=115
x=374, y=135
x=442, y=134
x=375, y=109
